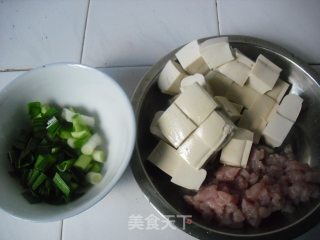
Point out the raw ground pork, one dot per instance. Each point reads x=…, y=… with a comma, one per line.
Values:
x=270, y=182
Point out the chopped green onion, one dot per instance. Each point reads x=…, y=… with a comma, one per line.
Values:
x=53, y=126
x=39, y=180
x=61, y=185
x=34, y=173
x=49, y=111
x=67, y=114
x=48, y=160
x=44, y=162
x=93, y=177
x=90, y=121
x=55, y=150
x=64, y=134
x=34, y=109
x=81, y=134
x=65, y=165
x=94, y=141
x=78, y=123
x=99, y=155
x=70, y=142
x=83, y=162
x=95, y=167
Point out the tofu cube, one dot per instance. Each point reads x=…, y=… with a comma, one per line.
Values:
x=290, y=107
x=262, y=107
x=277, y=130
x=175, y=125
x=245, y=95
x=215, y=130
x=209, y=138
x=237, y=151
x=154, y=127
x=195, y=78
x=243, y=59
x=254, y=123
x=239, y=107
x=191, y=60
x=170, y=78
x=236, y=71
x=264, y=75
x=257, y=116
x=196, y=103
x=188, y=177
x=216, y=52
x=165, y=157
x=218, y=83
x=229, y=108
x=194, y=151
x=278, y=91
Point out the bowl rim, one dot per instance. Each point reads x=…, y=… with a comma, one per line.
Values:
x=122, y=167
x=160, y=204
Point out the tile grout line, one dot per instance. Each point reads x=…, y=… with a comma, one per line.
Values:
x=85, y=31
x=216, y=1
x=120, y=66
x=61, y=233
x=15, y=70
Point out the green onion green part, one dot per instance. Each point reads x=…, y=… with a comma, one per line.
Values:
x=58, y=156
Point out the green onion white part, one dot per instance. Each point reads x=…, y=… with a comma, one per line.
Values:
x=94, y=141
x=93, y=177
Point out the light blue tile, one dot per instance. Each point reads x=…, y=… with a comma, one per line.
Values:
x=37, y=32
x=293, y=24
x=139, y=32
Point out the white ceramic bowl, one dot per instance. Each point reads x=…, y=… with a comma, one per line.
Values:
x=66, y=85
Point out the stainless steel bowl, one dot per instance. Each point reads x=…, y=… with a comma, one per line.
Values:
x=305, y=138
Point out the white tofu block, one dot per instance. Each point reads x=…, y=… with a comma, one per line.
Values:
x=273, y=111
x=216, y=130
x=195, y=78
x=290, y=107
x=262, y=107
x=191, y=60
x=154, y=127
x=188, y=177
x=216, y=52
x=236, y=71
x=196, y=103
x=243, y=58
x=175, y=125
x=254, y=123
x=245, y=95
x=277, y=130
x=237, y=151
x=208, y=139
x=165, y=157
x=257, y=116
x=194, y=151
x=278, y=91
x=170, y=78
x=229, y=108
x=263, y=75
x=218, y=83
x=239, y=107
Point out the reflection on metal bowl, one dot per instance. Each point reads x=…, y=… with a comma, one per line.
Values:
x=305, y=139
